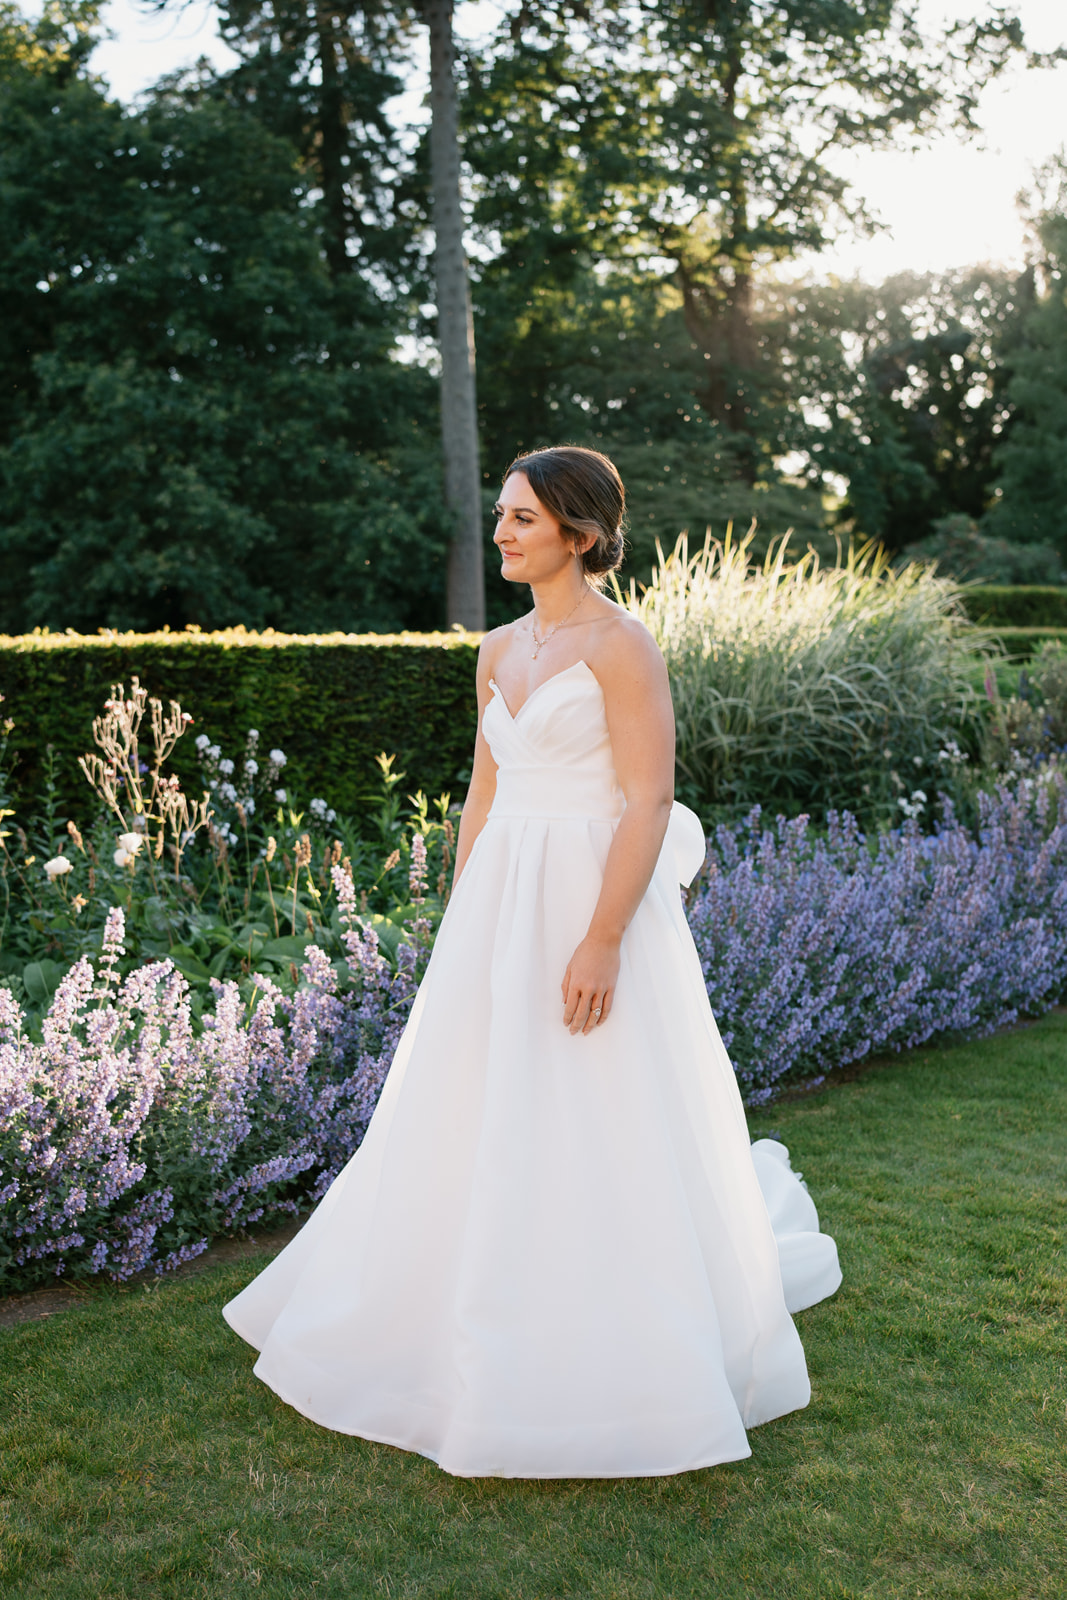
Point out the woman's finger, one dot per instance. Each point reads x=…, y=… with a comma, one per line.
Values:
x=580, y=1010
x=593, y=1015
x=599, y=1009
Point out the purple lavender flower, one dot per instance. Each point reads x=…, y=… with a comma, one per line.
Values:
x=128, y=1138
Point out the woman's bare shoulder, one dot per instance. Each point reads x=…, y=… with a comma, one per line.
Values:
x=492, y=648
x=621, y=646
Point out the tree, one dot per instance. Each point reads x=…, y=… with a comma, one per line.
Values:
x=459, y=412
x=320, y=74
x=1030, y=496
x=676, y=154
x=899, y=391
x=200, y=423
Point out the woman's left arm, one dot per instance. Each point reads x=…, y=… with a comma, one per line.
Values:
x=640, y=716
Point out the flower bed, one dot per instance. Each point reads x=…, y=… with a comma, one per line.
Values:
x=128, y=1138
x=817, y=951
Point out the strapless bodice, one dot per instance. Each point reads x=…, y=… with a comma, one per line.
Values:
x=554, y=759
x=554, y=756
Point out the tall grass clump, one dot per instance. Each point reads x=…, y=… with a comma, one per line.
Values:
x=809, y=687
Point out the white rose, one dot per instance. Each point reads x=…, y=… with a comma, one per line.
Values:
x=278, y=758
x=130, y=842
x=57, y=867
x=251, y=767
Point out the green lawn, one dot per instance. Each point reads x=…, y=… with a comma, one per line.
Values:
x=139, y=1457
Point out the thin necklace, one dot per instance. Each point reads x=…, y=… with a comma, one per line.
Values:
x=539, y=644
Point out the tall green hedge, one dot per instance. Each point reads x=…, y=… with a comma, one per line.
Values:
x=1016, y=605
x=331, y=702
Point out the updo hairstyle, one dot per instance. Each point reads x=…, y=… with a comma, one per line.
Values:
x=583, y=491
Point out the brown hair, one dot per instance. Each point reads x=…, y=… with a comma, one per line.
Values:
x=583, y=491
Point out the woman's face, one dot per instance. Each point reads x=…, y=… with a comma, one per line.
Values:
x=532, y=548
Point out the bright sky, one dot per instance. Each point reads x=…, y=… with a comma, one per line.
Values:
x=949, y=205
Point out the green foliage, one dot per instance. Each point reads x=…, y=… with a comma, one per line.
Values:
x=1031, y=725
x=898, y=391
x=637, y=173
x=962, y=552
x=810, y=688
x=331, y=703
x=1020, y=643
x=198, y=422
x=140, y=1455
x=244, y=894
x=1031, y=490
x=1016, y=605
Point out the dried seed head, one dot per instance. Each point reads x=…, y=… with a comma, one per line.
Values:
x=272, y=846
x=391, y=861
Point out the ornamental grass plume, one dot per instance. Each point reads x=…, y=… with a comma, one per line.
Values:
x=791, y=680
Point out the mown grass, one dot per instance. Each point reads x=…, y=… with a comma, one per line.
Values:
x=140, y=1458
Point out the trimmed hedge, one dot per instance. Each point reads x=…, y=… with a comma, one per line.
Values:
x=331, y=702
x=1016, y=605
x=1022, y=643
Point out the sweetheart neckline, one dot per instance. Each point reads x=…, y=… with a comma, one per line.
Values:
x=515, y=715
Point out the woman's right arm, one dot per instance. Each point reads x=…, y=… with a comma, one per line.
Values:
x=482, y=789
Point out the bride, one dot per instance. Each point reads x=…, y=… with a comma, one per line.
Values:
x=555, y=1253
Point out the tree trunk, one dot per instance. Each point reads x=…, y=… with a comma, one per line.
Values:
x=465, y=601
x=333, y=140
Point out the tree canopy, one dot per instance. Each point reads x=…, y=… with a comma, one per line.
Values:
x=219, y=400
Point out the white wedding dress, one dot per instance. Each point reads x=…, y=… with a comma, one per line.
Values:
x=552, y=1256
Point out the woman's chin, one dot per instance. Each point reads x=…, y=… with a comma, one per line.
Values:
x=507, y=570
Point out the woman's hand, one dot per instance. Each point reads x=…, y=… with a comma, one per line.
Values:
x=589, y=983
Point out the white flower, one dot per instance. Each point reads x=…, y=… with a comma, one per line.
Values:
x=122, y=858
x=250, y=806
x=318, y=809
x=251, y=767
x=131, y=842
x=214, y=751
x=228, y=793
x=917, y=760
x=226, y=767
x=281, y=796
x=253, y=735
x=57, y=867
x=278, y=758
x=201, y=741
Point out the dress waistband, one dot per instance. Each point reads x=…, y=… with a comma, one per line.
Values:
x=535, y=792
